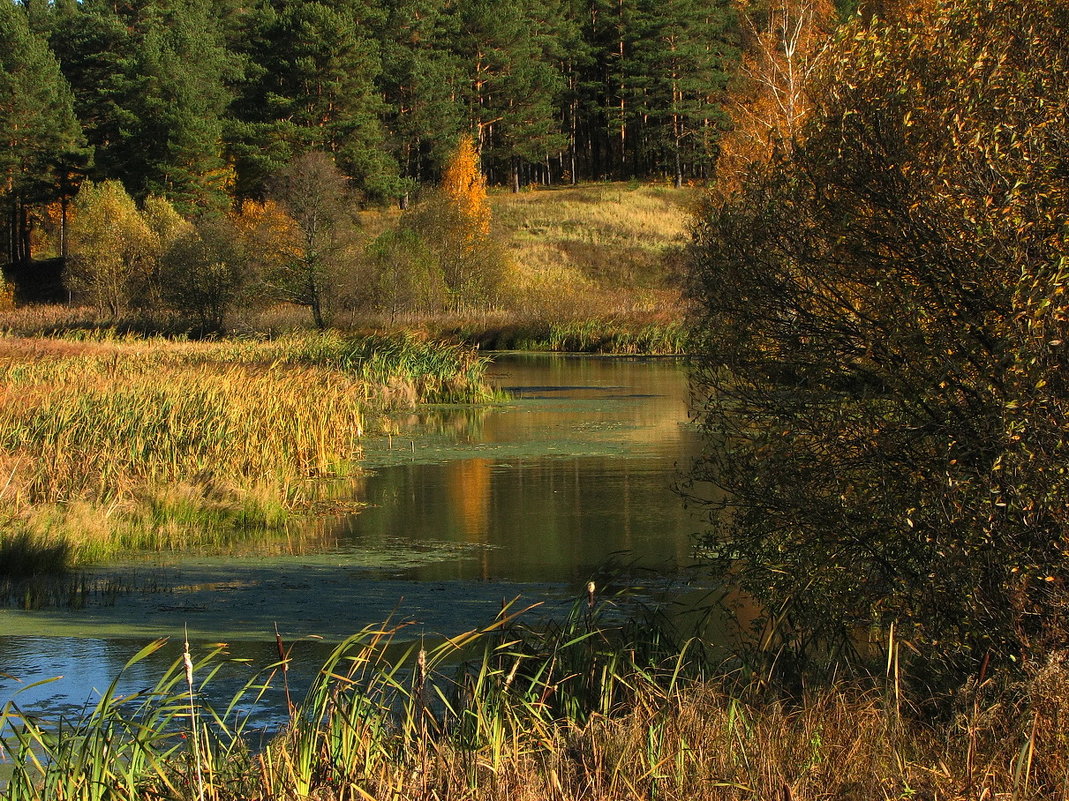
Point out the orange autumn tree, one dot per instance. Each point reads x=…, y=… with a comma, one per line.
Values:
x=784, y=43
x=465, y=190
x=268, y=233
x=456, y=226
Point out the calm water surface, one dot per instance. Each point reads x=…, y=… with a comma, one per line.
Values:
x=468, y=506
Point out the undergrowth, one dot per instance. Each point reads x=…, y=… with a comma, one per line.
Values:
x=583, y=709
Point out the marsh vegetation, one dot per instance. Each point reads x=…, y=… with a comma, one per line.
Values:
x=121, y=443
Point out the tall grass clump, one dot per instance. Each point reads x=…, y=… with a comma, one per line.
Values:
x=154, y=442
x=88, y=427
x=584, y=709
x=395, y=369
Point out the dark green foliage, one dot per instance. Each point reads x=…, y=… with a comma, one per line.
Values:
x=94, y=49
x=151, y=84
x=38, y=130
x=679, y=56
x=204, y=103
x=509, y=57
x=881, y=316
x=203, y=274
x=315, y=90
x=182, y=70
x=424, y=84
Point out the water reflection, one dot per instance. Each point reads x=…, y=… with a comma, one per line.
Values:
x=579, y=467
x=469, y=506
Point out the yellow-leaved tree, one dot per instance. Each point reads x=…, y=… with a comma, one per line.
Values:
x=465, y=191
x=113, y=251
x=456, y=226
x=784, y=42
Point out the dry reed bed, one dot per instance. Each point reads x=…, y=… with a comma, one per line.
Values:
x=577, y=711
x=99, y=439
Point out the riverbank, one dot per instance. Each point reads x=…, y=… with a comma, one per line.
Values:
x=650, y=324
x=593, y=268
x=586, y=709
x=120, y=443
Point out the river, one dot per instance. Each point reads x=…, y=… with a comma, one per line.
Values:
x=468, y=507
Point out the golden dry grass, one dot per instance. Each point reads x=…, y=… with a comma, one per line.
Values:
x=133, y=442
x=608, y=235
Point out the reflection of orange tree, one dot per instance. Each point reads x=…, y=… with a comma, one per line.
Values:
x=468, y=486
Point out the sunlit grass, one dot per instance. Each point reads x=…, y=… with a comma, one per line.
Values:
x=122, y=443
x=583, y=709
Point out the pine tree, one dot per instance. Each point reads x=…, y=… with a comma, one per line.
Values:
x=515, y=82
x=38, y=129
x=184, y=70
x=316, y=91
x=95, y=48
x=423, y=80
x=679, y=58
x=151, y=81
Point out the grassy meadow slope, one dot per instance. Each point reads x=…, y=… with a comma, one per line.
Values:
x=594, y=267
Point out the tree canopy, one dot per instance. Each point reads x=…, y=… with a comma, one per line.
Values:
x=882, y=326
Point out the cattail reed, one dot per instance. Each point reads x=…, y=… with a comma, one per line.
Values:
x=158, y=435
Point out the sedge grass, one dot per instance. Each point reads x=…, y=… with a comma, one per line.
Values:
x=127, y=443
x=580, y=710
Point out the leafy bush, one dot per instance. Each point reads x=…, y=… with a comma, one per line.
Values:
x=113, y=251
x=204, y=273
x=882, y=315
x=407, y=275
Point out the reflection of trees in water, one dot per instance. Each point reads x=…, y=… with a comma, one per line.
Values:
x=462, y=422
x=468, y=490
x=83, y=663
x=549, y=519
x=542, y=515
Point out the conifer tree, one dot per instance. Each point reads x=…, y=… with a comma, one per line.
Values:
x=183, y=69
x=151, y=82
x=679, y=57
x=423, y=80
x=515, y=82
x=38, y=129
x=316, y=91
x=95, y=49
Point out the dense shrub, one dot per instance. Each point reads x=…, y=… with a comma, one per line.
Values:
x=882, y=317
x=113, y=251
x=204, y=274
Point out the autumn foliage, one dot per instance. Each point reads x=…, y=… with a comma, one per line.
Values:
x=784, y=42
x=113, y=251
x=454, y=226
x=883, y=316
x=465, y=191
